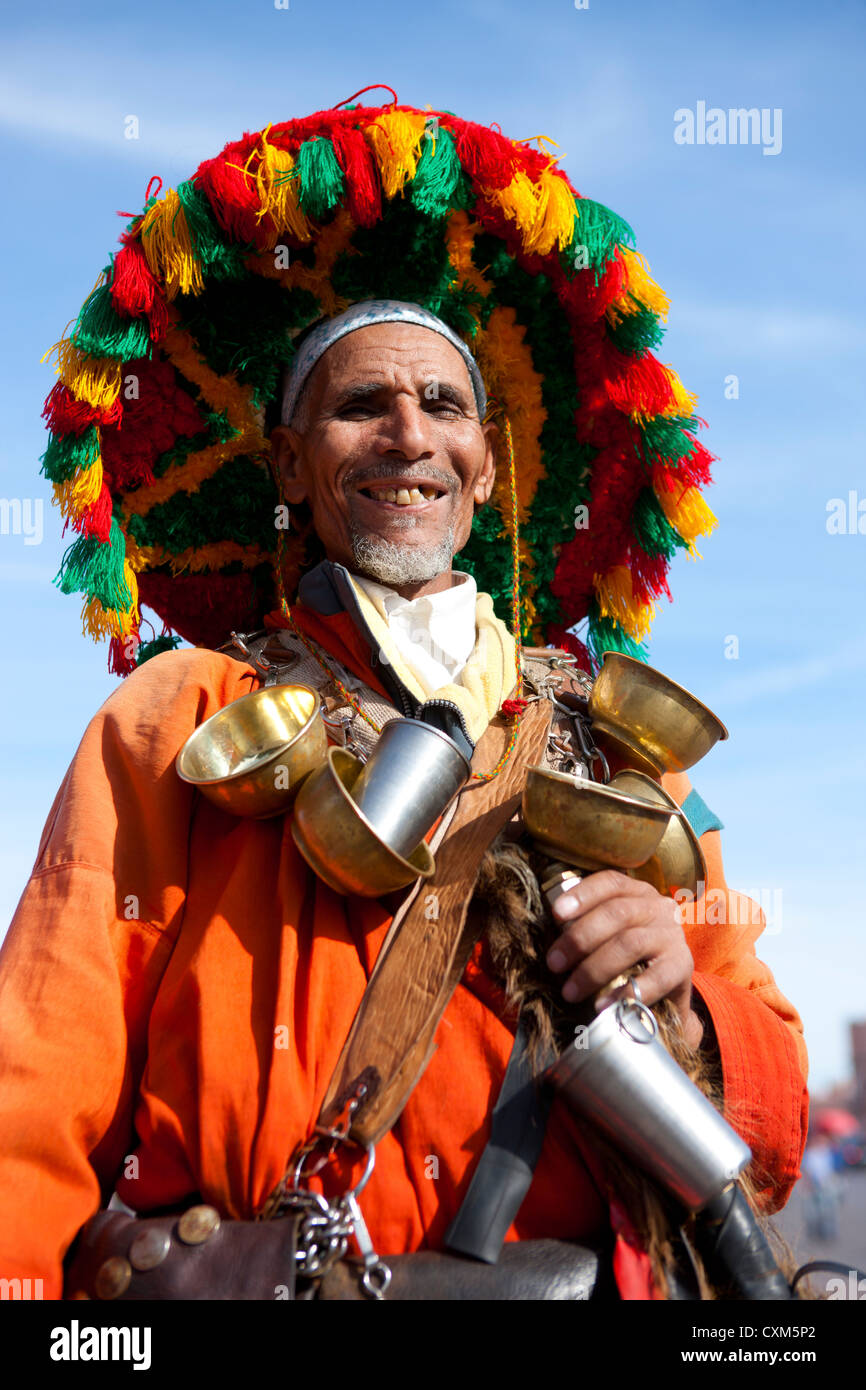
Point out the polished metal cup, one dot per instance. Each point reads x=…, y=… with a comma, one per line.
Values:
x=619, y=1074
x=409, y=779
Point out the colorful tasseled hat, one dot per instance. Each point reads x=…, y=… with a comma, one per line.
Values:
x=158, y=453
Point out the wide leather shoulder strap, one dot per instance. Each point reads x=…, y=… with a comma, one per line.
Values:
x=420, y=965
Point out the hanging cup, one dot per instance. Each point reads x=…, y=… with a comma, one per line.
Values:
x=407, y=782
x=251, y=757
x=655, y=724
x=620, y=1075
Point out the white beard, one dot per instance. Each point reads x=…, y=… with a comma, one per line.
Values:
x=397, y=565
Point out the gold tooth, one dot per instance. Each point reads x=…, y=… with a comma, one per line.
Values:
x=429, y=494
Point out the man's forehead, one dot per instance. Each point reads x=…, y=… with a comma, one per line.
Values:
x=379, y=351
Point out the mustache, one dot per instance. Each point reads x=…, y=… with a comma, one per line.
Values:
x=383, y=472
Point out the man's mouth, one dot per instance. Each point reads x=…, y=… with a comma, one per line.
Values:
x=402, y=495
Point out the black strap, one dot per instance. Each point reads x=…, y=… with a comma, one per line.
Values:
x=504, y=1173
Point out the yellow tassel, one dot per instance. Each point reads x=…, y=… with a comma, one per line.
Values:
x=544, y=211
x=129, y=617
x=396, y=137
x=639, y=283
x=687, y=512
x=276, y=183
x=95, y=380
x=80, y=491
x=684, y=402
x=169, y=249
x=98, y=622
x=616, y=600
x=555, y=213
x=518, y=200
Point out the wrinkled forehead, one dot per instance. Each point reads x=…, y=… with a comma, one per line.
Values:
x=403, y=328
x=373, y=353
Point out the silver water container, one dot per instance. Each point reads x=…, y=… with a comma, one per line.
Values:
x=409, y=779
x=619, y=1074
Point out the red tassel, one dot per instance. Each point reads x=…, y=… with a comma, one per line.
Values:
x=691, y=470
x=96, y=520
x=135, y=290
x=648, y=575
x=119, y=662
x=233, y=195
x=133, y=286
x=66, y=415
x=488, y=158
x=513, y=708
x=638, y=384
x=364, y=193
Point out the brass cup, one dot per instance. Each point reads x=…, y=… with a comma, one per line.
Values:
x=679, y=860
x=340, y=844
x=590, y=826
x=652, y=716
x=251, y=757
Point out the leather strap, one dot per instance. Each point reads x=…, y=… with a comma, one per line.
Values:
x=419, y=967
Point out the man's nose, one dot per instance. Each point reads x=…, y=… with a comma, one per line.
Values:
x=407, y=430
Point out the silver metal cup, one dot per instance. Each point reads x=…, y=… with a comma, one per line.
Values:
x=619, y=1074
x=409, y=779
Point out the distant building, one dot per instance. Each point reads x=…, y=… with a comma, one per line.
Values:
x=858, y=1057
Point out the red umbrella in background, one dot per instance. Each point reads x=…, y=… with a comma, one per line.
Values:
x=836, y=1123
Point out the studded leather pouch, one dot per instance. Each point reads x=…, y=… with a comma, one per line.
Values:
x=195, y=1255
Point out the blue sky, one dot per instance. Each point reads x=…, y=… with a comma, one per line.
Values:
x=761, y=255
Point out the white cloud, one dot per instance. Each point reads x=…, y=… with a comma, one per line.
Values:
x=98, y=123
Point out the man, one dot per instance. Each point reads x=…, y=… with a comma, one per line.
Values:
x=177, y=985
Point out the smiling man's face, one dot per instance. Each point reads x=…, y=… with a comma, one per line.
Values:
x=391, y=455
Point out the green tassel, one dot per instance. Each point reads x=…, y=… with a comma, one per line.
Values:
x=666, y=438
x=600, y=231
x=94, y=568
x=101, y=332
x=436, y=176
x=636, y=334
x=320, y=176
x=605, y=635
x=166, y=642
x=219, y=259
x=652, y=529
x=66, y=453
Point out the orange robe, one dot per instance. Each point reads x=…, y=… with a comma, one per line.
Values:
x=176, y=987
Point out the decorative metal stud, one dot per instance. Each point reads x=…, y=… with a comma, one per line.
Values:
x=113, y=1277
x=198, y=1225
x=149, y=1249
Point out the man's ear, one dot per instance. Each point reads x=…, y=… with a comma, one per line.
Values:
x=286, y=453
x=487, y=476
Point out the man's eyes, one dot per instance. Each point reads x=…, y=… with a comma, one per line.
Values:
x=352, y=407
